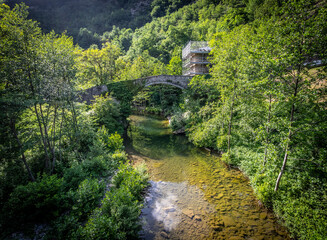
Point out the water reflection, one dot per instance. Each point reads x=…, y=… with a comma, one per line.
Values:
x=162, y=203
x=175, y=211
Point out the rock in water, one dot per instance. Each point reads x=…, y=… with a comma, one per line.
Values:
x=228, y=221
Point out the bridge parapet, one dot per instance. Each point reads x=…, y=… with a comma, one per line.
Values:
x=173, y=80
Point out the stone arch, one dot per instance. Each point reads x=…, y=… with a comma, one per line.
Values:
x=164, y=83
x=176, y=81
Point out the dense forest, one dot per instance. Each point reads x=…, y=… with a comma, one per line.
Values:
x=87, y=21
x=263, y=106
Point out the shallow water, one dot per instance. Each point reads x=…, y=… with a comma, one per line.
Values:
x=192, y=194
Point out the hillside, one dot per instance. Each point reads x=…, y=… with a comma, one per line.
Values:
x=86, y=20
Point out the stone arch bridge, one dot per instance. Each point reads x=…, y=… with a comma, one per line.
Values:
x=181, y=82
x=173, y=80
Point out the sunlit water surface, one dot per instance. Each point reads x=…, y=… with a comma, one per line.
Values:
x=192, y=194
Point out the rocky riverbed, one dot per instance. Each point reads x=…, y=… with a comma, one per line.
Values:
x=192, y=194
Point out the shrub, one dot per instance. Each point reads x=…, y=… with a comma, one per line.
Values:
x=177, y=121
x=98, y=167
x=124, y=208
x=64, y=227
x=111, y=142
x=73, y=176
x=37, y=201
x=87, y=197
x=82, y=202
x=134, y=180
x=118, y=217
x=100, y=226
x=106, y=112
x=305, y=216
x=119, y=157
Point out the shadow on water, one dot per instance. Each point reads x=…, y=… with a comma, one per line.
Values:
x=192, y=195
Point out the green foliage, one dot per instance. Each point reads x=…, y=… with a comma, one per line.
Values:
x=86, y=20
x=37, y=72
x=103, y=158
x=73, y=177
x=43, y=132
x=106, y=112
x=163, y=7
x=120, y=37
x=36, y=201
x=305, y=215
x=98, y=66
x=119, y=157
x=264, y=106
x=99, y=167
x=87, y=197
x=118, y=216
x=101, y=226
x=179, y=120
x=175, y=66
x=158, y=99
x=112, y=143
x=135, y=181
x=80, y=203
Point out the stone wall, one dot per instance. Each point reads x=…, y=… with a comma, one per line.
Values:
x=88, y=95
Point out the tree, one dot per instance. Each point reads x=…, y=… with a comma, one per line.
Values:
x=175, y=66
x=301, y=38
x=229, y=61
x=98, y=66
x=37, y=73
x=17, y=58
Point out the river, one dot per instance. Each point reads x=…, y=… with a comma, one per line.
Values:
x=192, y=194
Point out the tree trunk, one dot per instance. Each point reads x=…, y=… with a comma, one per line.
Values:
x=53, y=137
x=45, y=124
x=289, y=135
x=47, y=160
x=14, y=132
x=284, y=163
x=267, y=132
x=60, y=131
x=231, y=120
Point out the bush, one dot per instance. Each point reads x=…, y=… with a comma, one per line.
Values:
x=111, y=142
x=134, y=180
x=119, y=157
x=64, y=227
x=154, y=110
x=124, y=208
x=100, y=226
x=178, y=121
x=305, y=216
x=118, y=217
x=35, y=202
x=87, y=197
x=73, y=176
x=82, y=202
x=98, y=167
x=106, y=112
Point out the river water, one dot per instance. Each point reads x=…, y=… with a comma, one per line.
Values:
x=192, y=194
